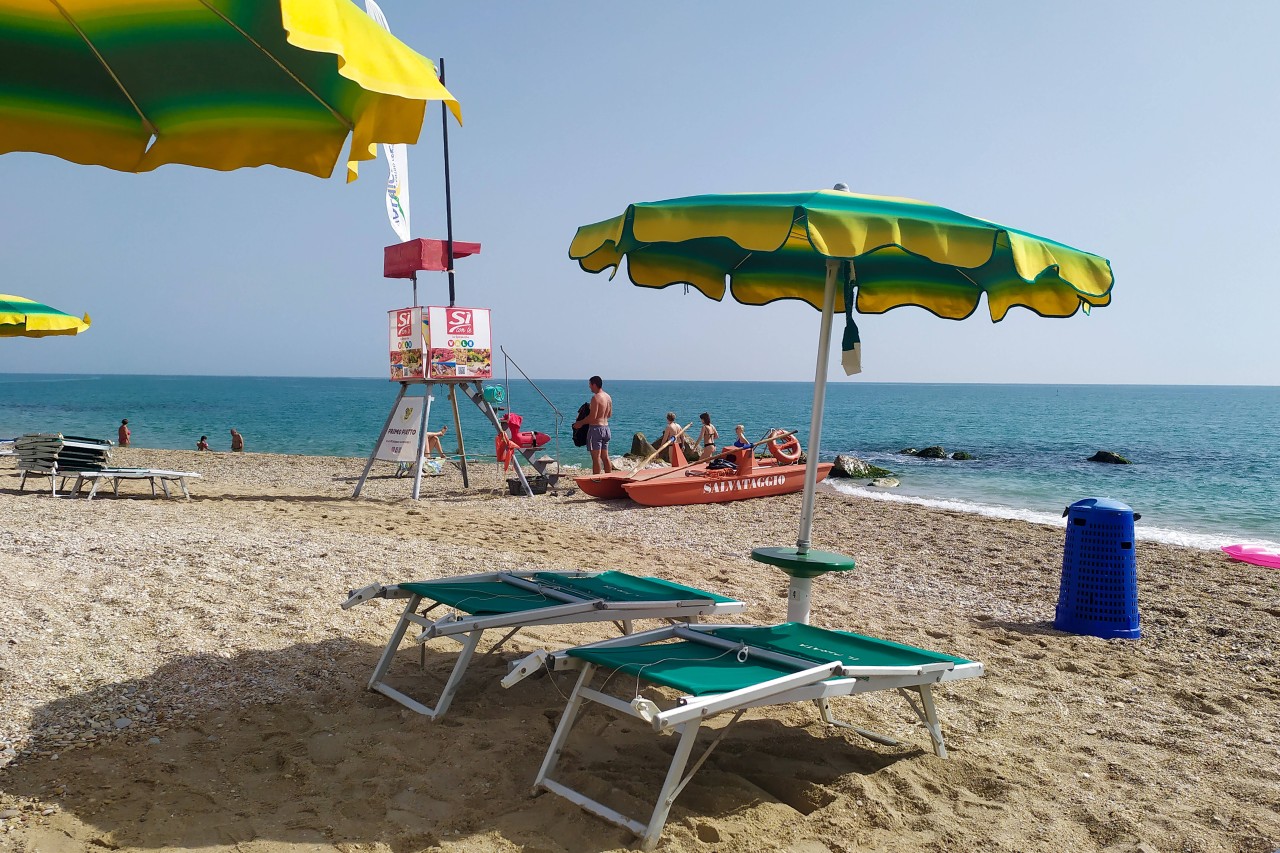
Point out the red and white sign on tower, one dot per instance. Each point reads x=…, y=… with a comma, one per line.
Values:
x=407, y=344
x=439, y=344
x=459, y=344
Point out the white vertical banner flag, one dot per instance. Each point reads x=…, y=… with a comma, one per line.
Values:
x=397, y=160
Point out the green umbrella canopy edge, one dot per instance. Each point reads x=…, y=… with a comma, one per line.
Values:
x=772, y=246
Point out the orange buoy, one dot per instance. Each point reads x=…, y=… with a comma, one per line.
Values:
x=785, y=450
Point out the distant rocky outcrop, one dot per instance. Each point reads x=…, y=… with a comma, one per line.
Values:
x=1108, y=457
x=909, y=451
x=933, y=452
x=854, y=468
x=962, y=455
x=640, y=447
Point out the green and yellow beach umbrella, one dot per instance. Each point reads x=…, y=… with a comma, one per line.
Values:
x=220, y=84
x=26, y=318
x=840, y=251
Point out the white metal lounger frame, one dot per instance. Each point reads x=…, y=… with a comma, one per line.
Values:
x=116, y=475
x=808, y=683
x=51, y=472
x=576, y=609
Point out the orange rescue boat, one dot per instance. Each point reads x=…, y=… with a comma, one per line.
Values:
x=608, y=486
x=755, y=478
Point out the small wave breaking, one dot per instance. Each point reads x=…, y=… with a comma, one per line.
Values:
x=1184, y=538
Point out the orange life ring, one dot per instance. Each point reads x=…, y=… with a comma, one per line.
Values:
x=785, y=450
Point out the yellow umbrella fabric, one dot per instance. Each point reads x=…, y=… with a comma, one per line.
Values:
x=25, y=318
x=218, y=84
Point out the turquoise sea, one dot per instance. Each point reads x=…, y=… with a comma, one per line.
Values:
x=1206, y=472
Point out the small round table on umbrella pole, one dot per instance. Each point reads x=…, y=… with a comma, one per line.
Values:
x=803, y=568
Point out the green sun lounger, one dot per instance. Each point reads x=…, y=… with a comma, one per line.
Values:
x=730, y=669
x=516, y=600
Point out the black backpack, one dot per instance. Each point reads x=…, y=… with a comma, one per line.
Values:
x=580, y=434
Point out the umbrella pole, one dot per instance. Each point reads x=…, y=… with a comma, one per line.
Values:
x=799, y=592
x=819, y=399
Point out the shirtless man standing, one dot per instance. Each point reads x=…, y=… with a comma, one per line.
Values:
x=597, y=421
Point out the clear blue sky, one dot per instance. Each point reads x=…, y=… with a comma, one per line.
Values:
x=1145, y=132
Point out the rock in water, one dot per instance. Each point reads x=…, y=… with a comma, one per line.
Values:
x=640, y=447
x=962, y=455
x=855, y=468
x=1109, y=457
x=850, y=467
x=884, y=482
x=934, y=452
x=909, y=451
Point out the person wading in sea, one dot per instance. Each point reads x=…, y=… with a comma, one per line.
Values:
x=597, y=421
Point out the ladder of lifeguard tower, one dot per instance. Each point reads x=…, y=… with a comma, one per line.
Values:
x=476, y=395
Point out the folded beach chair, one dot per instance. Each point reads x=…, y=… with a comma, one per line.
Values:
x=730, y=669
x=516, y=600
x=57, y=456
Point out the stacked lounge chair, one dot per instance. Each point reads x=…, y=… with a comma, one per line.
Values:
x=716, y=669
x=88, y=460
x=57, y=456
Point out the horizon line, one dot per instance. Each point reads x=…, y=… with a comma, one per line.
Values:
x=99, y=373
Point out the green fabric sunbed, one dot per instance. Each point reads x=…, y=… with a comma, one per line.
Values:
x=731, y=669
x=515, y=600
x=684, y=666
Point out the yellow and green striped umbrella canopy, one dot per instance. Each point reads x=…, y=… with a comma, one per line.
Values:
x=771, y=246
x=26, y=318
x=220, y=84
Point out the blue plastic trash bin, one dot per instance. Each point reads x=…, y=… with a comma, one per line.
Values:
x=1099, y=591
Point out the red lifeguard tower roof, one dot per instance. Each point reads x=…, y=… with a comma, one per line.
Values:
x=421, y=255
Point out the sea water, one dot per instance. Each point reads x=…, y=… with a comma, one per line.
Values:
x=1206, y=459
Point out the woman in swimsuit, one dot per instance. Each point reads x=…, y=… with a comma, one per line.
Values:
x=708, y=437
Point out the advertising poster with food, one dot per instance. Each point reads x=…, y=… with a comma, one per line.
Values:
x=459, y=343
x=407, y=344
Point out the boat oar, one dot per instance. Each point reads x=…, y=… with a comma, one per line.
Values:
x=662, y=446
x=722, y=454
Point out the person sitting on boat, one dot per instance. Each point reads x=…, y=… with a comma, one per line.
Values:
x=740, y=437
x=708, y=438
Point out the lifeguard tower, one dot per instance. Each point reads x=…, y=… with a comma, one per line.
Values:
x=450, y=346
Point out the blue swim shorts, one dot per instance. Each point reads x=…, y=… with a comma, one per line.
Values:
x=598, y=437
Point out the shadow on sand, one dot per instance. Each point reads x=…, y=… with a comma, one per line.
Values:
x=315, y=759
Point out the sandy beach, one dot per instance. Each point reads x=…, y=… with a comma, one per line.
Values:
x=178, y=675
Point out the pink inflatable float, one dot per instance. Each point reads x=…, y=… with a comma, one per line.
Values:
x=1255, y=554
